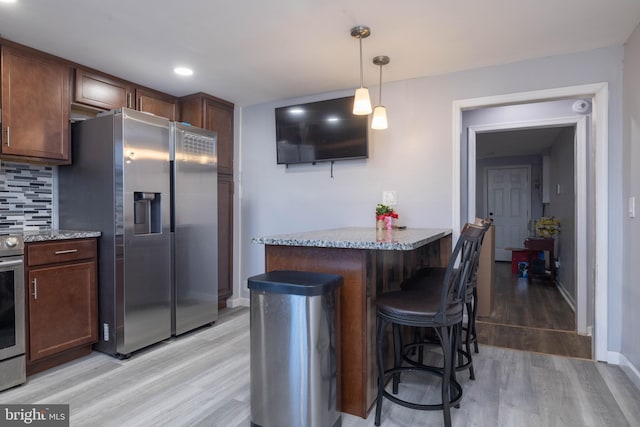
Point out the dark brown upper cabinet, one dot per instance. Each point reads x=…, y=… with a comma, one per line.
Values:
x=108, y=93
x=35, y=106
x=209, y=112
x=101, y=91
x=157, y=103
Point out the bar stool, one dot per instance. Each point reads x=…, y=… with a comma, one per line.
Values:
x=440, y=308
x=426, y=277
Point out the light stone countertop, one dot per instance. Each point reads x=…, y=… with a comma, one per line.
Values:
x=358, y=238
x=52, y=235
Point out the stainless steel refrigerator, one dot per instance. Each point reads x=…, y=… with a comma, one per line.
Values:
x=119, y=184
x=194, y=169
x=155, y=276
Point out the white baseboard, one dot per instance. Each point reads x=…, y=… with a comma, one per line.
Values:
x=632, y=371
x=237, y=302
x=566, y=295
x=613, y=357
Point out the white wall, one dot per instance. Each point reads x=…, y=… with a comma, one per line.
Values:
x=413, y=157
x=631, y=187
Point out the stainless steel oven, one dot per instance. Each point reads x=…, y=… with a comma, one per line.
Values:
x=12, y=311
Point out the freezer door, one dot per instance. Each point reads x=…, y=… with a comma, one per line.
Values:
x=145, y=305
x=195, y=228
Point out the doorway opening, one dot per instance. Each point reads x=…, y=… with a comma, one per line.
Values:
x=525, y=182
x=591, y=185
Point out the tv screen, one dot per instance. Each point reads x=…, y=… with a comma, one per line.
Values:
x=320, y=131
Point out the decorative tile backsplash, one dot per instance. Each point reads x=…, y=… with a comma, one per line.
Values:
x=26, y=196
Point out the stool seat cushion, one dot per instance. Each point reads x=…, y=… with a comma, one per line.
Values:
x=429, y=276
x=418, y=307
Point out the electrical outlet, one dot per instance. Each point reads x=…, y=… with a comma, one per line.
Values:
x=389, y=198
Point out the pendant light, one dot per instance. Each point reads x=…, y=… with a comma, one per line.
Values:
x=362, y=101
x=379, y=120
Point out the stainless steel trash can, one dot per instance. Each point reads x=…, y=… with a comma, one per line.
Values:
x=293, y=349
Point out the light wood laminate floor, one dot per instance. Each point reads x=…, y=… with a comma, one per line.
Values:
x=531, y=315
x=202, y=379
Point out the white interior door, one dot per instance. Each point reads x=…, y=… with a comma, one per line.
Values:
x=508, y=199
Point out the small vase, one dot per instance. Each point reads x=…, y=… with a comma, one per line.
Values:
x=388, y=222
x=379, y=224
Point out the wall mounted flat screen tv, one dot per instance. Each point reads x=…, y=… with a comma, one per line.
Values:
x=320, y=131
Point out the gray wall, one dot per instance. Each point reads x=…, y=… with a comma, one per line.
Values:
x=414, y=157
x=630, y=294
x=562, y=206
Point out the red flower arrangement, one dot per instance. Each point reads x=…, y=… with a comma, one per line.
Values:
x=383, y=211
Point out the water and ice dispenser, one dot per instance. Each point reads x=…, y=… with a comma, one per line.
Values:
x=147, y=212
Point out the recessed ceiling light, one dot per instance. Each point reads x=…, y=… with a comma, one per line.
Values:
x=183, y=71
x=8, y=1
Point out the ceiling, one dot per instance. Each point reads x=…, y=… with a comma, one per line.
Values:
x=521, y=142
x=253, y=51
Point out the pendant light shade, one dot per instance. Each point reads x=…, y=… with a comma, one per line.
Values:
x=362, y=102
x=379, y=120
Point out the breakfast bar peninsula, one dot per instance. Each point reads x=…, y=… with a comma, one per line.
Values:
x=371, y=262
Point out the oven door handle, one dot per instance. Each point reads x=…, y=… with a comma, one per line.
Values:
x=10, y=263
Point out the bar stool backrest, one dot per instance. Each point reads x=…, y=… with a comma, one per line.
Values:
x=483, y=225
x=455, y=279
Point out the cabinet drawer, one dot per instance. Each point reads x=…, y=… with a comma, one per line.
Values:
x=61, y=251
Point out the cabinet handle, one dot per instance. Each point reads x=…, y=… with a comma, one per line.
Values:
x=35, y=288
x=68, y=251
x=8, y=138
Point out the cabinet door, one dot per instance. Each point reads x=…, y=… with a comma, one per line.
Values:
x=101, y=91
x=225, y=238
x=62, y=308
x=35, y=106
x=219, y=117
x=157, y=103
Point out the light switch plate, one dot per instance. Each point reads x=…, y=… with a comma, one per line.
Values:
x=390, y=197
x=632, y=207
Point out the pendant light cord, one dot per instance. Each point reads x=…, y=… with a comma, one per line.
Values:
x=380, y=87
x=361, y=73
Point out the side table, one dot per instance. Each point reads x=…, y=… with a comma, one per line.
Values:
x=535, y=244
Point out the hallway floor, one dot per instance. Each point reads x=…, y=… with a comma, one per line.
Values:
x=532, y=316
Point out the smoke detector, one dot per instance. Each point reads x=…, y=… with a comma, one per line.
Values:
x=581, y=106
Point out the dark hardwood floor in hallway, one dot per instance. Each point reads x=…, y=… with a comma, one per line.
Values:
x=531, y=315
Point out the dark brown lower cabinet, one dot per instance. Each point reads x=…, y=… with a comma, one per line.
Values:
x=62, y=313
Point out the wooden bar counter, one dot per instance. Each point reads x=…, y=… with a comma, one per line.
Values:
x=370, y=262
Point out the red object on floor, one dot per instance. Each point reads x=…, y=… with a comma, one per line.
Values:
x=518, y=255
